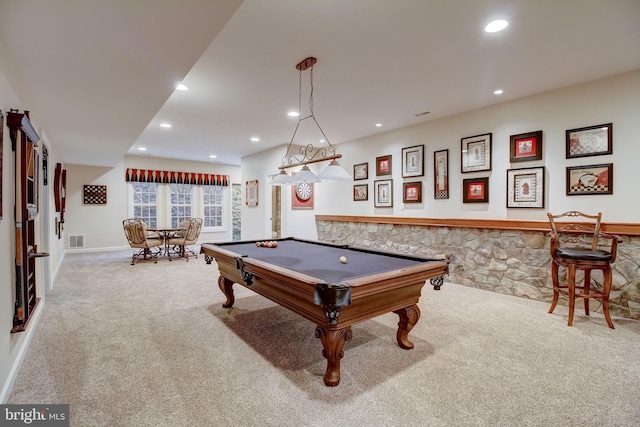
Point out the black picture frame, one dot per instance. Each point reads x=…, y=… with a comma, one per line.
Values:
x=589, y=180
x=525, y=147
x=361, y=171
x=475, y=153
x=413, y=161
x=441, y=174
x=525, y=188
x=383, y=165
x=383, y=193
x=360, y=192
x=412, y=192
x=589, y=141
x=475, y=190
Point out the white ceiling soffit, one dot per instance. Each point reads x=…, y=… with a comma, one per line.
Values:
x=102, y=73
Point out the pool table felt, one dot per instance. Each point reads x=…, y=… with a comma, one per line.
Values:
x=323, y=261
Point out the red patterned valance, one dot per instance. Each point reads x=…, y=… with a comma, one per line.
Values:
x=167, y=177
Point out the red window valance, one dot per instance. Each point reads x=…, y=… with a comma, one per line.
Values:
x=168, y=177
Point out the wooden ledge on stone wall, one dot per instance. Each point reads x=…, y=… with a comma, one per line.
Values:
x=623, y=229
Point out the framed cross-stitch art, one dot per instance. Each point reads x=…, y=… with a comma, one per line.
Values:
x=589, y=141
x=360, y=171
x=383, y=165
x=383, y=193
x=592, y=179
x=412, y=192
x=441, y=174
x=413, y=161
x=252, y=193
x=475, y=190
x=525, y=147
x=525, y=188
x=360, y=192
x=476, y=153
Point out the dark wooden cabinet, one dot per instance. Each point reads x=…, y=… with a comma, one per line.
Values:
x=24, y=142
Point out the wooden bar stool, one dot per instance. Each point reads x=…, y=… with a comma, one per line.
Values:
x=574, y=246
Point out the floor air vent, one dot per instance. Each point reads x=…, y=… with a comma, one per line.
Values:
x=76, y=241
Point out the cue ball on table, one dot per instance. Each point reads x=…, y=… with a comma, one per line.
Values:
x=343, y=259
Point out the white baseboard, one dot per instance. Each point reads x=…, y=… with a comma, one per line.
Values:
x=92, y=250
x=22, y=351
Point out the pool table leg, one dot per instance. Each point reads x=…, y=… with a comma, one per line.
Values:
x=333, y=343
x=226, y=286
x=409, y=316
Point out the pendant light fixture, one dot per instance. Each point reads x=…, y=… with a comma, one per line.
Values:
x=307, y=153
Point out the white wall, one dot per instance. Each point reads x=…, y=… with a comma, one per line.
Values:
x=256, y=221
x=102, y=224
x=14, y=95
x=615, y=99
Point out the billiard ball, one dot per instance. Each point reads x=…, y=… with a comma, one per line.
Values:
x=343, y=259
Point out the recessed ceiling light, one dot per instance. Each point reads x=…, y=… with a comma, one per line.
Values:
x=255, y=139
x=213, y=156
x=142, y=149
x=181, y=87
x=293, y=114
x=378, y=124
x=495, y=26
x=165, y=125
x=498, y=92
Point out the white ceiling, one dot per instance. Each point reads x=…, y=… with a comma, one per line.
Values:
x=101, y=73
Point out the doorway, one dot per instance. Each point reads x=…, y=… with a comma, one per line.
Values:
x=276, y=212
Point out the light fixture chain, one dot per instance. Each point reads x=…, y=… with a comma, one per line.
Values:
x=299, y=95
x=311, y=91
x=308, y=153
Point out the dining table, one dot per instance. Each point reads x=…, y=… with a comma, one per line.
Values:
x=167, y=233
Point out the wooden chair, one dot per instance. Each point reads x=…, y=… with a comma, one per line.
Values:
x=137, y=235
x=189, y=237
x=576, y=245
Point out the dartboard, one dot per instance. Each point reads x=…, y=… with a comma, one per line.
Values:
x=304, y=190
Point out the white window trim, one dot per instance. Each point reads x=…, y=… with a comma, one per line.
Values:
x=163, y=209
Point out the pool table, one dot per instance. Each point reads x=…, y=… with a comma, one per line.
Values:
x=309, y=278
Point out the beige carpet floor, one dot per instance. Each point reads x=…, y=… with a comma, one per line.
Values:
x=151, y=345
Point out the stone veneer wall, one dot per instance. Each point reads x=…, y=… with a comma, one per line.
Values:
x=505, y=261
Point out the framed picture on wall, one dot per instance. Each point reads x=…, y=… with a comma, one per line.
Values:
x=476, y=153
x=441, y=174
x=475, y=190
x=252, y=193
x=360, y=192
x=95, y=194
x=383, y=165
x=360, y=171
x=383, y=193
x=525, y=188
x=592, y=179
x=413, y=161
x=412, y=192
x=525, y=147
x=589, y=141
